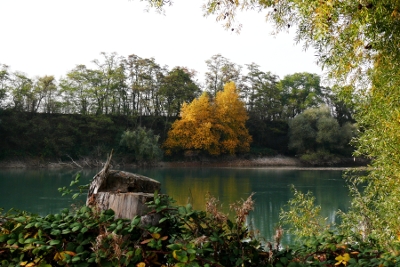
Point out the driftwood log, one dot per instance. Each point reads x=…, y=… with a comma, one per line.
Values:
x=125, y=193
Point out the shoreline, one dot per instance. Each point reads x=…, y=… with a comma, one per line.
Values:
x=276, y=161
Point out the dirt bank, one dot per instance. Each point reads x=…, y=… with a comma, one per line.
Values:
x=85, y=163
x=258, y=162
x=119, y=163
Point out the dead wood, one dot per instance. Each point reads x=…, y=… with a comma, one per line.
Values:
x=123, y=192
x=99, y=179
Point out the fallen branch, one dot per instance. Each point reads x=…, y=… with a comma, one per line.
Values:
x=74, y=162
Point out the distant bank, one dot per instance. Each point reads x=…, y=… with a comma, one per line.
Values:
x=276, y=161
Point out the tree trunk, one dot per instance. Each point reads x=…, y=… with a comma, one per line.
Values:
x=123, y=192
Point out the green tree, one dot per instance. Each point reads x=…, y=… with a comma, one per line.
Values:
x=220, y=71
x=299, y=92
x=76, y=90
x=112, y=84
x=20, y=90
x=316, y=130
x=45, y=89
x=177, y=88
x=144, y=78
x=262, y=94
x=142, y=143
x=4, y=82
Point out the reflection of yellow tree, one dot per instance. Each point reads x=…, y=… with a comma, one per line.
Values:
x=215, y=127
x=195, y=190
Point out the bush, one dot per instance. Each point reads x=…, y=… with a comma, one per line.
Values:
x=316, y=131
x=142, y=143
x=319, y=158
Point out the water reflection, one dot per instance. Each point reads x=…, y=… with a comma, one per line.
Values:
x=36, y=190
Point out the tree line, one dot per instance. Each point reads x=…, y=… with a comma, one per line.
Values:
x=149, y=95
x=133, y=85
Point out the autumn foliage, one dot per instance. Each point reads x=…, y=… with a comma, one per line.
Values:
x=216, y=127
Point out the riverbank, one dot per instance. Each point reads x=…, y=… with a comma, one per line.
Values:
x=276, y=161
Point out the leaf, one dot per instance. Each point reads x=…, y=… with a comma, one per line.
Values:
x=146, y=241
x=75, y=259
x=29, y=225
x=174, y=247
x=191, y=251
x=66, y=231
x=30, y=240
x=156, y=235
x=20, y=219
x=180, y=255
x=55, y=232
x=135, y=221
x=163, y=219
x=59, y=256
x=70, y=253
x=11, y=241
x=54, y=242
x=16, y=227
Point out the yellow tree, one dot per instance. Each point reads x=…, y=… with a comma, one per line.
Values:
x=193, y=129
x=231, y=116
x=214, y=127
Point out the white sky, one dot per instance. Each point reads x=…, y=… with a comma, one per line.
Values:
x=51, y=37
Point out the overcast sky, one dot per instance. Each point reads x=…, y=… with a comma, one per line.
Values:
x=51, y=37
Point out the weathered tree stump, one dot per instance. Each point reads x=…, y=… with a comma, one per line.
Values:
x=123, y=192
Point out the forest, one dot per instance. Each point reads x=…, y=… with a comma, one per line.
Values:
x=87, y=111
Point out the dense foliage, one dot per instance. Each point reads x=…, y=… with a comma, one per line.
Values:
x=317, y=137
x=66, y=135
x=357, y=42
x=85, y=236
x=142, y=143
x=88, y=237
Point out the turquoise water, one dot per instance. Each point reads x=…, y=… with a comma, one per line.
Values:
x=36, y=190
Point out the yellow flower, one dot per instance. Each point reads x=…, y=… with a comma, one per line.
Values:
x=141, y=264
x=342, y=259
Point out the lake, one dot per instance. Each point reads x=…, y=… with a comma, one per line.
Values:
x=36, y=190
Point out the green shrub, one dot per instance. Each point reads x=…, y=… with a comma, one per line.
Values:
x=319, y=158
x=316, y=130
x=142, y=143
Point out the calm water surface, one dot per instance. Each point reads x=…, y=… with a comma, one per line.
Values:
x=36, y=190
